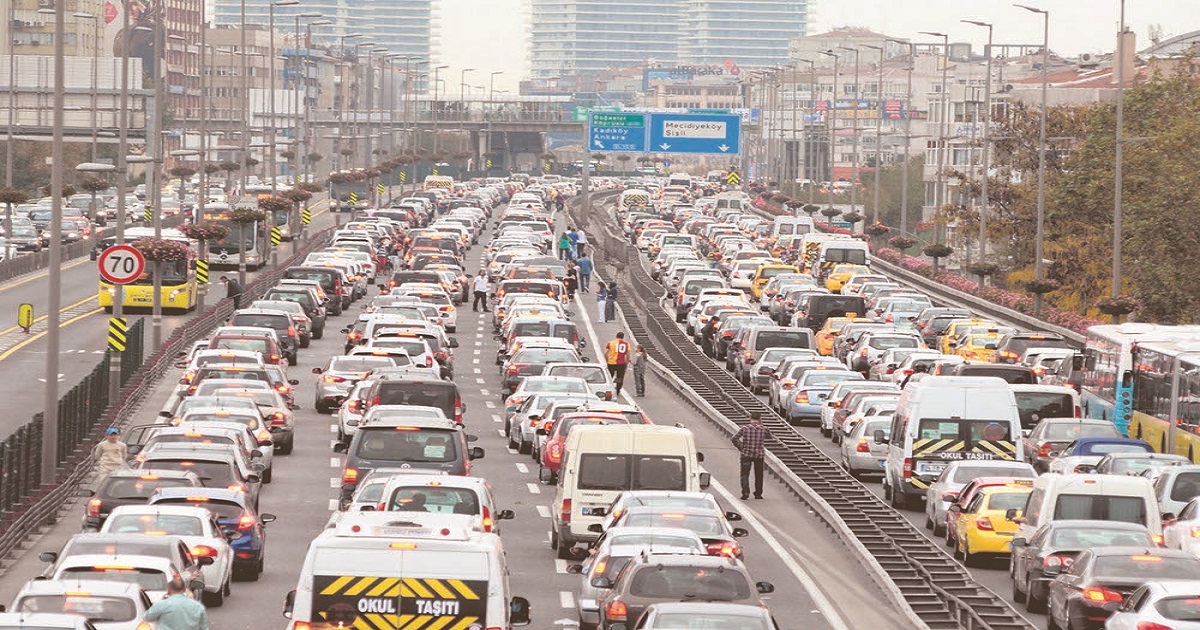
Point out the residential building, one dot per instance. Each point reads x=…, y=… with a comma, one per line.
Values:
x=27, y=31
x=570, y=37
x=810, y=47
x=750, y=33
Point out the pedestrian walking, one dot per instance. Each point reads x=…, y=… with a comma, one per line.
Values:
x=111, y=453
x=573, y=236
x=708, y=336
x=177, y=611
x=616, y=356
x=480, y=285
x=639, y=371
x=751, y=441
x=581, y=242
x=610, y=303
x=585, y=272
x=233, y=289
x=601, y=301
x=560, y=202
x=564, y=247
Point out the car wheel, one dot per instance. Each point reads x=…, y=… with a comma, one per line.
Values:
x=245, y=574
x=939, y=528
x=754, y=389
x=318, y=333
x=564, y=551
x=293, y=360
x=213, y=600
x=1017, y=595
x=826, y=432
x=227, y=590
x=553, y=537
x=1051, y=624
x=969, y=559
x=305, y=341
x=928, y=521
x=267, y=474
x=287, y=447
x=523, y=447
x=512, y=440
x=1033, y=603
x=321, y=408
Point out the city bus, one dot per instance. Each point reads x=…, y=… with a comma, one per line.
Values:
x=1107, y=390
x=225, y=252
x=178, y=279
x=281, y=219
x=1166, y=383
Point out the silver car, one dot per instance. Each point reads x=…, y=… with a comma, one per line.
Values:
x=760, y=372
x=860, y=454
x=957, y=474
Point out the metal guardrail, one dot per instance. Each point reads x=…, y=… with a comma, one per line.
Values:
x=27, y=502
x=29, y=263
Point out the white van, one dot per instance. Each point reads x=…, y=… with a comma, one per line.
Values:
x=792, y=226
x=1035, y=402
x=633, y=198
x=831, y=253
x=1058, y=497
x=378, y=569
x=943, y=419
x=601, y=462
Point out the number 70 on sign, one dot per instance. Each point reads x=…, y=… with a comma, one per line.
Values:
x=121, y=264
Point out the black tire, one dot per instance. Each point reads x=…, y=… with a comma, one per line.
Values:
x=524, y=447
x=970, y=559
x=287, y=447
x=245, y=574
x=305, y=342
x=267, y=475
x=213, y=600
x=563, y=552
x=318, y=333
x=754, y=389
x=512, y=441
x=293, y=360
x=1033, y=603
x=1018, y=596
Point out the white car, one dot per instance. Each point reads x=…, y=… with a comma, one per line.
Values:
x=195, y=526
x=1167, y=605
x=45, y=621
x=350, y=413
x=152, y=573
x=105, y=605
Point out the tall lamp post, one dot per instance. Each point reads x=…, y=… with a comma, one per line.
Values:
x=854, y=130
x=985, y=205
x=912, y=63
x=878, y=133
x=305, y=143
x=434, y=106
x=300, y=83
x=345, y=96
x=830, y=115
x=54, y=301
x=942, y=129
x=809, y=173
x=357, y=130
x=95, y=69
x=1041, y=192
x=271, y=151
x=1118, y=168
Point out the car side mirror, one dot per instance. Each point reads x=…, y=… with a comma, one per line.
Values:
x=596, y=528
x=133, y=449
x=293, y=382
x=764, y=587
x=601, y=582
x=85, y=492
x=340, y=447
x=198, y=585
x=1019, y=542
x=253, y=478
x=204, y=561
x=476, y=452
x=1010, y=514
x=518, y=611
x=289, y=604
x=267, y=517
x=542, y=431
x=546, y=476
x=1026, y=432
x=48, y=556
x=258, y=466
x=345, y=331
x=1085, y=468
x=505, y=515
x=367, y=508
x=1053, y=570
x=699, y=457
x=165, y=414
x=739, y=532
x=471, y=437
x=954, y=507
x=879, y=437
x=733, y=516
x=453, y=343
x=575, y=569
x=317, y=370
x=705, y=480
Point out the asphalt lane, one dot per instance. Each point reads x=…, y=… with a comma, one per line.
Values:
x=817, y=586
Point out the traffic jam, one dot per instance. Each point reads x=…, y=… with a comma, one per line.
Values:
x=988, y=434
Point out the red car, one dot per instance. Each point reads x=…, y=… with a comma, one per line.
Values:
x=556, y=437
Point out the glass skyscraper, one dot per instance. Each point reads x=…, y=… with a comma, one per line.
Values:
x=751, y=33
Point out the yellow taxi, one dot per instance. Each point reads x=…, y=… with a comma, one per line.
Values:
x=979, y=346
x=981, y=526
x=955, y=330
x=832, y=328
x=841, y=273
x=764, y=275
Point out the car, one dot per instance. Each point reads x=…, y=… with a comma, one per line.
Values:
x=443, y=494
x=152, y=573
x=130, y=487
x=541, y=384
x=253, y=441
x=711, y=524
x=550, y=454
x=1159, y=605
x=1181, y=533
x=197, y=527
x=944, y=490
x=339, y=375
x=241, y=523
x=531, y=361
x=1046, y=441
x=670, y=615
x=614, y=550
x=1082, y=454
x=658, y=578
x=860, y=454
x=1137, y=463
x=1085, y=595
x=982, y=525
x=275, y=412
x=217, y=465
x=91, y=604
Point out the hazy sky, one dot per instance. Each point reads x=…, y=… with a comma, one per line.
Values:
x=491, y=35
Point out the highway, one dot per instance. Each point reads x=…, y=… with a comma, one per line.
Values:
x=84, y=327
x=817, y=585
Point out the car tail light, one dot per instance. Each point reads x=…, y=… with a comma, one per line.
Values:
x=353, y=405
x=1045, y=449
x=787, y=384
x=146, y=626
x=263, y=437
x=514, y=370
x=278, y=418
x=93, y=507
x=1052, y=561
x=729, y=549
x=187, y=377
x=350, y=476
x=329, y=378
x=246, y=521
x=862, y=447
x=282, y=388
x=274, y=358
x=907, y=473
x=1078, y=411
x=1099, y=594
x=984, y=523
x=204, y=551
x=458, y=411
x=555, y=452
x=802, y=398
x=617, y=611
x=291, y=331
x=565, y=511
x=487, y=519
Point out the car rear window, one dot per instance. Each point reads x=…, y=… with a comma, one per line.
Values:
x=1147, y=567
x=781, y=339
x=223, y=509
x=1179, y=608
x=1033, y=406
x=147, y=579
x=683, y=583
x=1013, y=377
x=434, y=499
x=623, y=472
x=96, y=608
x=174, y=524
x=887, y=343
x=278, y=322
x=260, y=346
x=1069, y=431
x=415, y=446
x=1095, y=507
x=594, y=375
x=417, y=394
x=211, y=474
x=128, y=489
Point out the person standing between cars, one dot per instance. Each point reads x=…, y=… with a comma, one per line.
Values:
x=610, y=303
x=601, y=301
x=564, y=246
x=708, y=335
x=479, y=285
x=571, y=281
x=750, y=441
x=581, y=242
x=616, y=356
x=111, y=453
x=585, y=272
x=233, y=289
x=177, y=611
x=560, y=202
x=639, y=371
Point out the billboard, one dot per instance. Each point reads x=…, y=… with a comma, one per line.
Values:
x=130, y=27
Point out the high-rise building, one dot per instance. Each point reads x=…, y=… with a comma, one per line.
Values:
x=579, y=36
x=751, y=33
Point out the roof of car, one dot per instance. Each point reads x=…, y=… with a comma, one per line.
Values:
x=219, y=494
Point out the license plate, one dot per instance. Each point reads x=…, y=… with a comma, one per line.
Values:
x=930, y=468
x=401, y=532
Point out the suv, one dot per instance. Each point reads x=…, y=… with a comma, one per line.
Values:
x=131, y=487
x=1013, y=346
x=279, y=321
x=437, y=445
x=307, y=298
x=652, y=578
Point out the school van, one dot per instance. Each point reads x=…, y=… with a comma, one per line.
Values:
x=600, y=462
x=831, y=253
x=792, y=226
x=444, y=182
x=943, y=419
x=388, y=570
x=633, y=198
x=1057, y=497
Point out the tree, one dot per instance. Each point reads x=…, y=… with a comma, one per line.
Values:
x=183, y=172
x=230, y=168
x=624, y=160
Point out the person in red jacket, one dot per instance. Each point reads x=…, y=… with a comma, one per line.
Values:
x=616, y=356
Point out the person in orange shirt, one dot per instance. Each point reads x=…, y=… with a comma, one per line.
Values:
x=616, y=356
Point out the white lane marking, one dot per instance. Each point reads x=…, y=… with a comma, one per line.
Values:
x=476, y=351
x=496, y=418
x=478, y=343
x=484, y=391
x=480, y=381
x=566, y=599
x=335, y=462
x=560, y=566
x=333, y=428
x=477, y=371
x=333, y=504
x=501, y=432
x=334, y=482
x=489, y=404
x=522, y=468
x=810, y=585
x=533, y=488
x=476, y=361
x=543, y=511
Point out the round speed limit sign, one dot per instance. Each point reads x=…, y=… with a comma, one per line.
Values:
x=121, y=264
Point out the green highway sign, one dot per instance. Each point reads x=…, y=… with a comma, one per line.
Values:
x=618, y=119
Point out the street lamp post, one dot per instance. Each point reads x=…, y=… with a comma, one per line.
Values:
x=854, y=166
x=878, y=132
x=357, y=128
x=1041, y=193
x=985, y=204
x=1118, y=168
x=122, y=183
x=95, y=69
x=54, y=299
x=299, y=129
x=830, y=115
x=434, y=106
x=271, y=151
x=912, y=62
x=12, y=110
x=809, y=145
x=345, y=95
x=941, y=141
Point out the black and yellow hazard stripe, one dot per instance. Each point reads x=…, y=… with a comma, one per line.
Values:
x=380, y=188
x=202, y=271
x=1003, y=449
x=353, y=197
x=403, y=589
x=305, y=216
x=276, y=236
x=118, y=330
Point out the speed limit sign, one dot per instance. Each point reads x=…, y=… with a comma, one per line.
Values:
x=121, y=264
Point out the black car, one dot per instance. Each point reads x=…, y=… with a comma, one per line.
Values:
x=307, y=298
x=1013, y=345
x=131, y=487
x=280, y=321
x=420, y=444
x=1085, y=595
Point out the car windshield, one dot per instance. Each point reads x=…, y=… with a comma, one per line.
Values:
x=434, y=499
x=1065, y=431
x=690, y=583
x=147, y=579
x=1144, y=568
x=211, y=474
x=781, y=338
x=173, y=524
x=96, y=608
x=417, y=445
x=709, y=621
x=133, y=488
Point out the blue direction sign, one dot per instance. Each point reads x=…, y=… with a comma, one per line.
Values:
x=696, y=133
x=617, y=132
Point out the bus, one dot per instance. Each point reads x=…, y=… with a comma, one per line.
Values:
x=1107, y=390
x=1166, y=383
x=281, y=219
x=225, y=252
x=178, y=279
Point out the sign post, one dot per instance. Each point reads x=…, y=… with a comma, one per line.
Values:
x=25, y=317
x=121, y=264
